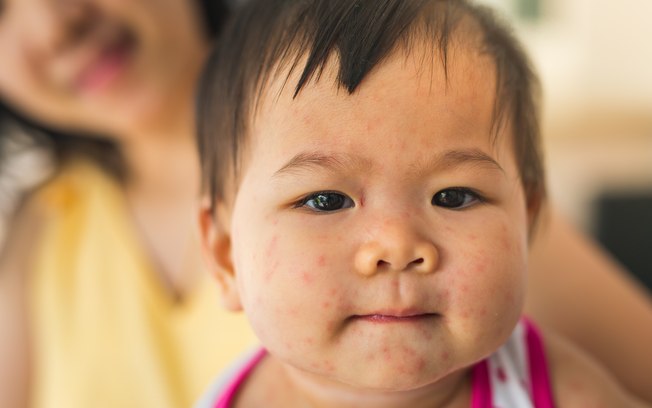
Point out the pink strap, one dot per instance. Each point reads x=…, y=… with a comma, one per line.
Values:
x=481, y=388
x=540, y=387
x=229, y=392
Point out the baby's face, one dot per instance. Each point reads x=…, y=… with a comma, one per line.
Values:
x=379, y=239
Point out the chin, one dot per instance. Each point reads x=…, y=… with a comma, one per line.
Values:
x=396, y=378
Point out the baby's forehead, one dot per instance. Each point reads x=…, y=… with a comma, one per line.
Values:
x=409, y=98
x=412, y=79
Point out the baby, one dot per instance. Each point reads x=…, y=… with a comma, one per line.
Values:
x=372, y=175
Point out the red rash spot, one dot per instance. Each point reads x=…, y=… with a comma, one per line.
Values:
x=332, y=292
x=332, y=323
x=269, y=254
x=326, y=305
x=445, y=356
x=403, y=369
x=321, y=260
x=421, y=364
x=507, y=245
x=271, y=247
x=269, y=272
x=293, y=312
x=307, y=278
x=426, y=334
x=408, y=351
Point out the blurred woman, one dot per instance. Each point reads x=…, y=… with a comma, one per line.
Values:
x=104, y=302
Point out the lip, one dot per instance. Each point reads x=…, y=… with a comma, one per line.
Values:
x=396, y=317
x=107, y=65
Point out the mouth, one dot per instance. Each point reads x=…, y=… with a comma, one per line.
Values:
x=395, y=317
x=108, y=64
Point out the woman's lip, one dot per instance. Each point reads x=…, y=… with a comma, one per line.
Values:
x=395, y=317
x=102, y=70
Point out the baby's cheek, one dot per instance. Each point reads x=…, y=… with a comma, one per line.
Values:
x=484, y=286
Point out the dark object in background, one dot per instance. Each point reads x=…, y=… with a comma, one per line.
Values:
x=624, y=227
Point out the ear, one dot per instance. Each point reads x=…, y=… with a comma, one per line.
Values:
x=536, y=210
x=215, y=239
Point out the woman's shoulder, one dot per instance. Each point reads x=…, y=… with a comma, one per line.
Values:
x=64, y=192
x=70, y=183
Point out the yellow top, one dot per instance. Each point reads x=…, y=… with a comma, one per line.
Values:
x=106, y=332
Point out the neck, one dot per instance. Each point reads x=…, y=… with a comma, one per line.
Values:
x=161, y=159
x=161, y=188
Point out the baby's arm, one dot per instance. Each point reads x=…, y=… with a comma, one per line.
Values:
x=578, y=291
x=579, y=381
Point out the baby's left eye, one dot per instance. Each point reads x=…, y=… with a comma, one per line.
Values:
x=455, y=198
x=326, y=201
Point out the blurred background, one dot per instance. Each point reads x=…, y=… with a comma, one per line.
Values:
x=594, y=58
x=595, y=61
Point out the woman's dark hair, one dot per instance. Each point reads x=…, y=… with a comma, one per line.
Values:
x=65, y=145
x=215, y=13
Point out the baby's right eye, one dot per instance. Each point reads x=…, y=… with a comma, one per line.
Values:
x=326, y=201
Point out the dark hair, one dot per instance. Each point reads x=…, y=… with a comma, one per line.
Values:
x=266, y=35
x=104, y=151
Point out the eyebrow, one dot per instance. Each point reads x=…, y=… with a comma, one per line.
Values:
x=306, y=161
x=453, y=158
x=317, y=160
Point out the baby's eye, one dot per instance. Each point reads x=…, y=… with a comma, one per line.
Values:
x=326, y=201
x=455, y=198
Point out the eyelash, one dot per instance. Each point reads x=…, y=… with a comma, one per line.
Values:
x=469, y=194
x=347, y=202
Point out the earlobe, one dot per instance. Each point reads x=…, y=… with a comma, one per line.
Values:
x=215, y=240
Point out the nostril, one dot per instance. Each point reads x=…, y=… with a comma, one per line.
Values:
x=418, y=261
x=382, y=263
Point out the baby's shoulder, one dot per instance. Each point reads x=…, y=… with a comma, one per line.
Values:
x=579, y=380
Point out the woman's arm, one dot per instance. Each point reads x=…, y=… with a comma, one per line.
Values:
x=579, y=381
x=14, y=325
x=578, y=291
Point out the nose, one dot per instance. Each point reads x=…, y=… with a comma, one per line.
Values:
x=52, y=24
x=397, y=247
